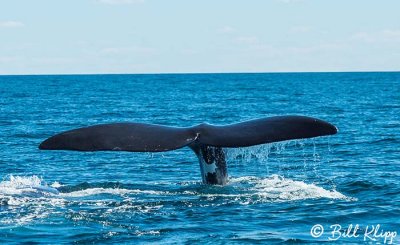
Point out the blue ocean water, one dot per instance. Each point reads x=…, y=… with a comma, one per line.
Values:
x=276, y=194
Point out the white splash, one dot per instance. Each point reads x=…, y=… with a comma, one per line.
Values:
x=96, y=191
x=111, y=191
x=277, y=188
x=26, y=186
x=274, y=188
x=29, y=198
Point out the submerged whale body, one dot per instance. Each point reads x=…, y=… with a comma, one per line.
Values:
x=207, y=141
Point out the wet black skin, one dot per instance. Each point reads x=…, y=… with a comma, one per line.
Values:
x=206, y=140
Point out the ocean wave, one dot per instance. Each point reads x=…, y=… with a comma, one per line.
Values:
x=272, y=188
x=30, y=198
x=112, y=191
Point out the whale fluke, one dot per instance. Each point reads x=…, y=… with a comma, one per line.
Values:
x=205, y=140
x=134, y=137
x=140, y=137
x=265, y=130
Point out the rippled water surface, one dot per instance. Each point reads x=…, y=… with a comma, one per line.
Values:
x=276, y=193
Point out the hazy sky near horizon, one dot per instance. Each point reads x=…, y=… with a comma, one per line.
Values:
x=155, y=36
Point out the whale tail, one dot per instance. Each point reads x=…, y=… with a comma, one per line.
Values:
x=207, y=141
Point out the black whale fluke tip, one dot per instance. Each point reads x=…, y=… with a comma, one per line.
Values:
x=56, y=142
x=42, y=146
x=328, y=128
x=335, y=130
x=46, y=144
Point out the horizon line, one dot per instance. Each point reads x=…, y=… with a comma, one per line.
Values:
x=199, y=73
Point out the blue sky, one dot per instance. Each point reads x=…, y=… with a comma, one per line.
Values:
x=172, y=36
